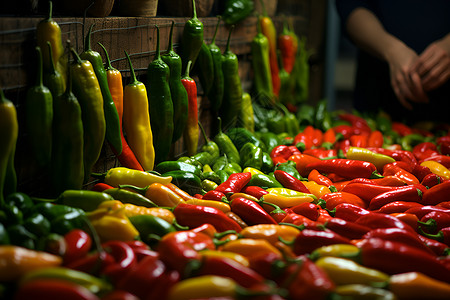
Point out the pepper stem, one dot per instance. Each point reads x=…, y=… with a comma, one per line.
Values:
x=108, y=61
x=220, y=124
x=87, y=41
x=188, y=67
x=140, y=190
x=229, y=38
x=3, y=99
x=263, y=8
x=39, y=81
x=170, y=47
x=50, y=10
x=158, y=51
x=203, y=131
x=213, y=41
x=50, y=55
x=194, y=9
x=134, y=81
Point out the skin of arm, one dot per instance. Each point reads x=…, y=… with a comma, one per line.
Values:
x=368, y=33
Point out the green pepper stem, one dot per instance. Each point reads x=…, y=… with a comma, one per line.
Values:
x=140, y=190
x=194, y=9
x=50, y=55
x=170, y=47
x=50, y=10
x=430, y=223
x=220, y=235
x=100, y=176
x=213, y=41
x=220, y=124
x=3, y=99
x=186, y=73
x=227, y=49
x=39, y=80
x=263, y=8
x=87, y=41
x=203, y=131
x=76, y=57
x=178, y=226
x=134, y=80
x=108, y=61
x=158, y=51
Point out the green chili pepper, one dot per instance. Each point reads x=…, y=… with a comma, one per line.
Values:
x=83, y=199
x=220, y=163
x=177, y=91
x=383, y=122
x=306, y=114
x=4, y=237
x=191, y=39
x=270, y=140
x=210, y=146
x=126, y=196
x=226, y=145
x=240, y=136
x=410, y=140
x=300, y=73
x=204, y=68
x=204, y=158
x=215, y=94
x=223, y=175
x=232, y=167
x=265, y=181
x=53, y=79
x=20, y=236
x=151, y=228
x=37, y=224
x=12, y=214
x=276, y=122
x=267, y=163
x=113, y=135
x=209, y=185
x=186, y=181
x=160, y=105
x=246, y=117
x=39, y=117
x=285, y=96
x=20, y=200
x=68, y=142
x=291, y=123
x=261, y=66
x=290, y=168
x=212, y=176
x=188, y=160
x=87, y=90
x=232, y=97
x=251, y=156
x=169, y=165
x=237, y=10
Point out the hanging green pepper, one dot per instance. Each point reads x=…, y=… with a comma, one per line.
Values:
x=300, y=73
x=111, y=115
x=237, y=10
x=204, y=68
x=246, y=117
x=39, y=116
x=53, y=79
x=232, y=97
x=9, y=129
x=177, y=91
x=251, y=156
x=285, y=96
x=160, y=104
x=68, y=142
x=192, y=39
x=215, y=94
x=87, y=90
x=261, y=66
x=226, y=145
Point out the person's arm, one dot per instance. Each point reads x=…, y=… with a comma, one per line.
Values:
x=433, y=65
x=367, y=32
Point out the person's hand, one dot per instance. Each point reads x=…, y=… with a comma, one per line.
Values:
x=433, y=65
x=406, y=84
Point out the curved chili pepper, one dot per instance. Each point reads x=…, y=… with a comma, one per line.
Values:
x=442, y=159
x=309, y=240
x=424, y=149
x=235, y=183
x=302, y=161
x=191, y=130
x=214, y=195
x=440, y=249
x=347, y=168
x=409, y=219
x=349, y=212
x=254, y=191
x=377, y=220
x=395, y=170
x=290, y=182
x=431, y=180
x=195, y=215
x=350, y=230
x=435, y=221
x=397, y=207
x=334, y=199
x=366, y=191
x=307, y=209
x=288, y=44
x=124, y=260
x=421, y=211
x=436, y=194
x=315, y=176
x=437, y=168
x=298, y=219
x=280, y=154
x=410, y=193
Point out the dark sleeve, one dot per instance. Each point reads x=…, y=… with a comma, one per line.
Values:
x=345, y=7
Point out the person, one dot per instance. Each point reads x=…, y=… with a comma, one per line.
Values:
x=403, y=63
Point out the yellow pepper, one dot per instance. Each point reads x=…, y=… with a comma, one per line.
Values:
x=252, y=171
x=135, y=210
x=249, y=247
x=378, y=159
x=16, y=261
x=287, y=201
x=121, y=176
x=437, y=168
x=204, y=287
x=270, y=232
x=344, y=271
x=242, y=195
x=232, y=255
x=288, y=192
x=316, y=189
x=361, y=292
x=335, y=250
x=211, y=203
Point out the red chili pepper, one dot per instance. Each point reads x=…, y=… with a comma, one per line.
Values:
x=375, y=139
x=198, y=196
x=190, y=134
x=124, y=260
x=288, y=45
x=376, y=220
x=329, y=137
x=401, y=128
x=436, y=194
x=334, y=199
x=309, y=240
x=342, y=146
x=324, y=216
x=290, y=182
x=420, y=172
x=49, y=288
x=100, y=187
x=294, y=150
x=442, y=159
x=195, y=215
x=315, y=176
x=92, y=263
x=307, y=209
x=345, y=130
x=442, y=236
x=302, y=161
x=394, y=170
x=445, y=204
x=397, y=207
x=424, y=149
x=356, y=121
x=394, y=258
x=444, y=148
x=280, y=154
x=440, y=249
x=298, y=219
x=435, y=221
x=254, y=191
x=421, y=211
x=408, y=219
x=321, y=153
x=214, y=195
x=317, y=137
x=346, y=168
x=267, y=264
x=389, y=181
x=177, y=249
x=227, y=267
x=347, y=229
x=305, y=280
x=410, y=193
x=149, y=278
x=366, y=191
x=251, y=212
x=78, y=243
x=398, y=235
x=303, y=141
x=349, y=212
x=359, y=140
x=400, y=164
x=235, y=183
